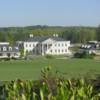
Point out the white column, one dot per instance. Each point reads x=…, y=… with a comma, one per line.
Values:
x=42, y=50
x=47, y=46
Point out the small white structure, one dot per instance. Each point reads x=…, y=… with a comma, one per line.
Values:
x=91, y=47
x=7, y=51
x=46, y=45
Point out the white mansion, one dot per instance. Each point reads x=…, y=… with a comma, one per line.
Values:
x=46, y=45
x=36, y=45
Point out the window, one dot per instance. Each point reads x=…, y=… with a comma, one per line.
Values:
x=58, y=50
x=65, y=44
x=58, y=44
x=26, y=45
x=37, y=45
x=55, y=50
x=65, y=50
x=62, y=50
x=4, y=48
x=50, y=45
x=55, y=45
x=62, y=44
x=0, y=54
x=10, y=48
x=30, y=45
x=51, y=51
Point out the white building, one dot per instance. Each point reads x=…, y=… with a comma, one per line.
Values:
x=46, y=45
x=91, y=47
x=4, y=43
x=8, y=51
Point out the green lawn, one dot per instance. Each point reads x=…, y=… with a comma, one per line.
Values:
x=10, y=70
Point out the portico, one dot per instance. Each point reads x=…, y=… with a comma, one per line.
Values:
x=47, y=45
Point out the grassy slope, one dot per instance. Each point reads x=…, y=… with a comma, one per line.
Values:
x=31, y=69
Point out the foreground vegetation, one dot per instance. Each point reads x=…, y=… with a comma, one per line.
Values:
x=50, y=88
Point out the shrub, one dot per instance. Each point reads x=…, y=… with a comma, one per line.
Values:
x=49, y=56
x=6, y=59
x=84, y=55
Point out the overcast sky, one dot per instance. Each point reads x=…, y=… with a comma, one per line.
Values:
x=49, y=12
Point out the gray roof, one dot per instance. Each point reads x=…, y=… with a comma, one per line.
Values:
x=41, y=38
x=14, y=48
x=88, y=48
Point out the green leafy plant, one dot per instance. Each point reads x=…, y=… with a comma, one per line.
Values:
x=49, y=88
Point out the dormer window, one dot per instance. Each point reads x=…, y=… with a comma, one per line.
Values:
x=4, y=48
x=10, y=48
x=16, y=48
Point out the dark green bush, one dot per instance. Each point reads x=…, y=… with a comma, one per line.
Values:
x=49, y=56
x=84, y=55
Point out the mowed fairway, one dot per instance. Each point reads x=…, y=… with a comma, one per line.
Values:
x=11, y=70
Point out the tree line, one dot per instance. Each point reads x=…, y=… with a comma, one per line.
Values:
x=77, y=34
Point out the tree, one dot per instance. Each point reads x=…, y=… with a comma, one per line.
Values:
x=2, y=37
x=10, y=38
x=21, y=52
x=98, y=33
x=87, y=35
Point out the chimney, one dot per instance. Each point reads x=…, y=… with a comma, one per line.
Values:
x=55, y=35
x=31, y=35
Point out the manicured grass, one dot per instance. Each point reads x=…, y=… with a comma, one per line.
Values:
x=11, y=70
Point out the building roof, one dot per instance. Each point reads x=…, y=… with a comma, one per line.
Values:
x=41, y=38
x=13, y=48
x=4, y=43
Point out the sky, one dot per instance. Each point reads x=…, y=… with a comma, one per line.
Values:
x=49, y=12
